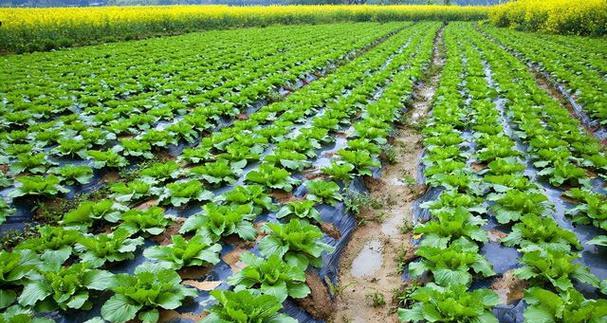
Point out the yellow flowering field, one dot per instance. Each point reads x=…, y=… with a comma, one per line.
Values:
x=577, y=17
x=27, y=29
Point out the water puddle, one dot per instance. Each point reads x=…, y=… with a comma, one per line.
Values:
x=391, y=227
x=369, y=260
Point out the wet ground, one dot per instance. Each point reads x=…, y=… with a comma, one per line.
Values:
x=370, y=267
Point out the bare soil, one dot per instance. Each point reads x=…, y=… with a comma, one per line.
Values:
x=318, y=303
x=509, y=288
x=370, y=267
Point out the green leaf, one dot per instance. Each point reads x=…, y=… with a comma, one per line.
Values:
x=150, y=316
x=98, y=279
x=78, y=300
x=7, y=297
x=119, y=309
x=169, y=300
x=34, y=292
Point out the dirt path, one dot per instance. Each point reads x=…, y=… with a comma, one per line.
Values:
x=369, y=275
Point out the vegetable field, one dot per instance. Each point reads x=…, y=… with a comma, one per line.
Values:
x=348, y=172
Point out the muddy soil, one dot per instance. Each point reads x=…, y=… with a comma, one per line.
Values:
x=369, y=275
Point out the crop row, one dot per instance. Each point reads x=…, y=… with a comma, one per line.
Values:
x=449, y=247
x=99, y=127
x=582, y=70
x=230, y=177
x=550, y=253
x=563, y=152
x=571, y=160
x=479, y=164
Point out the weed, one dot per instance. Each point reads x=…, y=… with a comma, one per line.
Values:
x=389, y=154
x=52, y=211
x=375, y=299
x=11, y=238
x=355, y=202
x=409, y=180
x=337, y=290
x=403, y=257
x=406, y=227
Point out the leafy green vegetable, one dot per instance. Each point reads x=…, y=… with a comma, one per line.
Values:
x=107, y=247
x=135, y=148
x=54, y=243
x=513, y=204
x=183, y=192
x=303, y=209
x=451, y=265
x=141, y=294
x=195, y=155
x=245, y=194
x=107, y=158
x=598, y=241
x=38, y=185
x=65, y=287
x=243, y=306
x=31, y=163
x=19, y=314
x=592, y=208
x=131, y=191
x=198, y=251
x=297, y=242
x=323, y=191
x=272, y=276
x=534, y=232
x=568, y=306
x=450, y=225
x=219, y=172
x=5, y=210
x=158, y=138
x=434, y=303
x=71, y=146
x=15, y=267
x=452, y=199
x=161, y=171
x=151, y=221
x=289, y=159
x=361, y=159
x=339, y=170
x=88, y=212
x=563, y=172
x=72, y=174
x=555, y=267
x=222, y=220
x=272, y=177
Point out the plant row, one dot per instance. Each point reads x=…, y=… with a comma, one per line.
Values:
x=582, y=71
x=449, y=248
x=550, y=253
x=564, y=154
x=276, y=269
x=115, y=137
x=487, y=180
x=559, y=147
